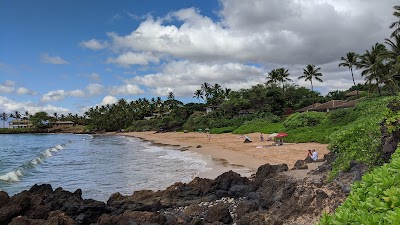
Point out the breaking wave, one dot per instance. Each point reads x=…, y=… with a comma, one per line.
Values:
x=15, y=175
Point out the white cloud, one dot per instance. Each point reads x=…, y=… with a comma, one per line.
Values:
x=94, y=77
x=77, y=93
x=45, y=58
x=109, y=100
x=57, y=95
x=94, y=89
x=60, y=95
x=132, y=58
x=184, y=77
x=7, y=86
x=94, y=44
x=9, y=83
x=266, y=33
x=24, y=91
x=8, y=106
x=127, y=89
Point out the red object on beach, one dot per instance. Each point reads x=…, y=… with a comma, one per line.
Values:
x=281, y=135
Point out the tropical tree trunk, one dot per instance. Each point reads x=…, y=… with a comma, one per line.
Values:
x=312, y=90
x=352, y=76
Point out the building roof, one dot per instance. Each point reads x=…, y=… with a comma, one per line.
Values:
x=353, y=93
x=63, y=122
x=332, y=104
x=307, y=108
x=18, y=121
x=348, y=104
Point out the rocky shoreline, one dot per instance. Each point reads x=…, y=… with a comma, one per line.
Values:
x=271, y=196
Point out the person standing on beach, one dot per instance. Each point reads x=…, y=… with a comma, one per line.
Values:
x=261, y=137
x=208, y=135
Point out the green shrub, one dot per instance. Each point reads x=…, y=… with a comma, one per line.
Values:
x=305, y=119
x=373, y=200
x=360, y=139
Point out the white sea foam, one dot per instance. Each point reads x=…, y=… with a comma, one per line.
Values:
x=47, y=153
x=10, y=176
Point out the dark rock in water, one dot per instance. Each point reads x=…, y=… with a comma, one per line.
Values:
x=268, y=198
x=4, y=198
x=199, y=146
x=220, y=213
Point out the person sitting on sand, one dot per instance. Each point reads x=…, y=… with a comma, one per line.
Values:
x=314, y=155
x=309, y=154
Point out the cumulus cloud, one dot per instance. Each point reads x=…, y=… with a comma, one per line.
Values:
x=109, y=100
x=94, y=89
x=57, y=95
x=132, y=58
x=94, y=77
x=45, y=58
x=190, y=76
x=250, y=38
x=60, y=95
x=127, y=89
x=93, y=44
x=7, y=86
x=8, y=106
x=24, y=91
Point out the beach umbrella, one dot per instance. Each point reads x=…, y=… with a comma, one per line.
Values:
x=273, y=135
x=280, y=135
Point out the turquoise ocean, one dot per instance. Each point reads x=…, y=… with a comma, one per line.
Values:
x=99, y=165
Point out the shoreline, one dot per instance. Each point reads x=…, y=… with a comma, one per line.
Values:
x=228, y=151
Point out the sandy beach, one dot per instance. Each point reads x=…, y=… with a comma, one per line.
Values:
x=231, y=147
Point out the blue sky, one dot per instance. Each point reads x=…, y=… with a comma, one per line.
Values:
x=67, y=56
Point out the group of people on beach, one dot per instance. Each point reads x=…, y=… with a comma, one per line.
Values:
x=313, y=154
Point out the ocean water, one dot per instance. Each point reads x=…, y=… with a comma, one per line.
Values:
x=99, y=165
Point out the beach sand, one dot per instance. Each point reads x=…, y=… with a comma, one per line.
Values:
x=230, y=149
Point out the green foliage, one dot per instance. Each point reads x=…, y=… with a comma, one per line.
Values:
x=306, y=119
x=373, y=200
x=259, y=125
x=17, y=130
x=359, y=139
x=40, y=120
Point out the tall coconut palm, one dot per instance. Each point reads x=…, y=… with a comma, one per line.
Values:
x=396, y=24
x=372, y=63
x=283, y=77
x=206, y=88
x=392, y=55
x=198, y=94
x=310, y=73
x=4, y=117
x=349, y=61
x=272, y=77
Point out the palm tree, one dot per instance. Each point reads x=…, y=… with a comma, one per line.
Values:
x=349, y=61
x=272, y=77
x=392, y=55
x=283, y=77
x=372, y=63
x=311, y=72
x=396, y=24
x=4, y=117
x=198, y=94
x=206, y=88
